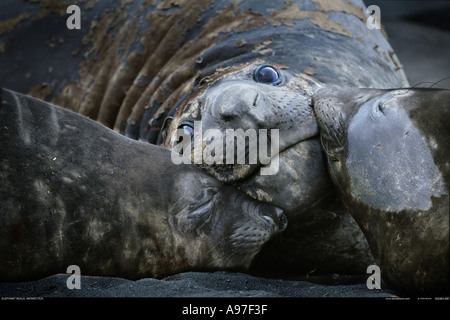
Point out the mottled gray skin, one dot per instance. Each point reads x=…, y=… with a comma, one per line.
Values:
x=75, y=192
x=388, y=156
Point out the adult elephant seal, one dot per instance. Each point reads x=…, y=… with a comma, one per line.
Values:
x=388, y=155
x=74, y=192
x=149, y=67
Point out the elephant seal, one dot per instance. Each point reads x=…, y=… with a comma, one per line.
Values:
x=75, y=192
x=388, y=155
x=148, y=68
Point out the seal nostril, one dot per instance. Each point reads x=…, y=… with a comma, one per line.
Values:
x=229, y=112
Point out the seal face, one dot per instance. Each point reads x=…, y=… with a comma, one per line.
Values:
x=106, y=205
x=218, y=227
x=250, y=97
x=387, y=153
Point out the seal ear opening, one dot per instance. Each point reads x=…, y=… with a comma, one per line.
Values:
x=164, y=130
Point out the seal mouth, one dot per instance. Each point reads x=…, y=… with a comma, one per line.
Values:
x=285, y=140
x=248, y=238
x=238, y=173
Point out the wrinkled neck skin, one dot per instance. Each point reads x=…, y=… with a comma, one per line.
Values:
x=153, y=54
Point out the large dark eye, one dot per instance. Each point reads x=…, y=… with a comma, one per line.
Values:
x=267, y=74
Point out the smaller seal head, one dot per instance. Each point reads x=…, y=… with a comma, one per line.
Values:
x=219, y=227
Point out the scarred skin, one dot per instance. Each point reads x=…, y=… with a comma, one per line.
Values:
x=66, y=198
x=134, y=63
x=387, y=153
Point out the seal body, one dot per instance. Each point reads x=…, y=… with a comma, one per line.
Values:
x=75, y=192
x=388, y=155
x=145, y=68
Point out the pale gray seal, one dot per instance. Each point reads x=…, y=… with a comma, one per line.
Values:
x=388, y=156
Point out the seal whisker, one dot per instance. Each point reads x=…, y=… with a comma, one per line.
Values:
x=233, y=254
x=439, y=81
x=324, y=147
x=423, y=82
x=338, y=141
x=230, y=257
x=217, y=244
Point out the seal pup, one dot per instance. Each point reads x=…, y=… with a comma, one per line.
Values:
x=388, y=155
x=75, y=192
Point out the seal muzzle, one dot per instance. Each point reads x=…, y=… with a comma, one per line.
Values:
x=274, y=214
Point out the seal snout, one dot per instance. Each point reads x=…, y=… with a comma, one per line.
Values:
x=276, y=215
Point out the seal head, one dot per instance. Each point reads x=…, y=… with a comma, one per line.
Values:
x=271, y=110
x=387, y=153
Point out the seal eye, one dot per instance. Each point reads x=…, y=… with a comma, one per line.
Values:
x=188, y=130
x=267, y=74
